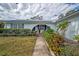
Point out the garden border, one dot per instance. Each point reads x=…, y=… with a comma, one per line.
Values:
x=49, y=49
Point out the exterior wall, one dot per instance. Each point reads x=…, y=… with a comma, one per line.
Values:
x=7, y=26
x=29, y=26
x=73, y=28
x=52, y=26
x=13, y=26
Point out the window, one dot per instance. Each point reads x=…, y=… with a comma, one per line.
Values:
x=13, y=25
x=20, y=25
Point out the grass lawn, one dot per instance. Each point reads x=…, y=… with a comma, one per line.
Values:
x=17, y=46
x=70, y=50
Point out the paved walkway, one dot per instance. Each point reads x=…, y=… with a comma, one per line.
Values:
x=41, y=48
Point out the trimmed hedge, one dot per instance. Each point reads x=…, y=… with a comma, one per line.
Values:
x=16, y=32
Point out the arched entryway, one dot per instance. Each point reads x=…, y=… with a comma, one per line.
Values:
x=40, y=28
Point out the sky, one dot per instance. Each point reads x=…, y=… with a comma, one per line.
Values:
x=48, y=11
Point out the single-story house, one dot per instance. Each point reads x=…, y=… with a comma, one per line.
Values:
x=72, y=29
x=28, y=24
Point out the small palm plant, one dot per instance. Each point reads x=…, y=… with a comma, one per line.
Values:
x=63, y=26
x=76, y=37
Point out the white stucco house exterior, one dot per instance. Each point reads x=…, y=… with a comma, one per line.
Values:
x=72, y=29
x=28, y=24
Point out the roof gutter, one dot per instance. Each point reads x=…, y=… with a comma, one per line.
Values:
x=67, y=17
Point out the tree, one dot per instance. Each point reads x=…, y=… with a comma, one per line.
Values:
x=1, y=24
x=62, y=26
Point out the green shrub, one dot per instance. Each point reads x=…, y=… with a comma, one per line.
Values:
x=16, y=32
x=54, y=40
x=50, y=30
x=76, y=37
x=69, y=50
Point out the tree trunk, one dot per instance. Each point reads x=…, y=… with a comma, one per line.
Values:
x=63, y=33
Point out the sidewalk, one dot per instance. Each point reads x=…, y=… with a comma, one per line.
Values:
x=41, y=48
